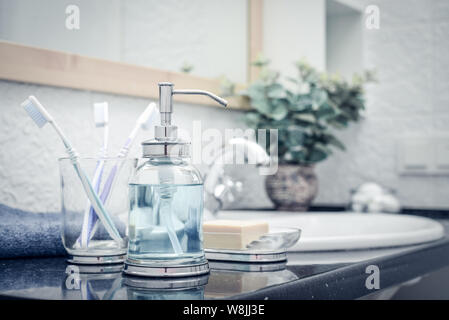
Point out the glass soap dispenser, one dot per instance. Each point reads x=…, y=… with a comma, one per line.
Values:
x=166, y=202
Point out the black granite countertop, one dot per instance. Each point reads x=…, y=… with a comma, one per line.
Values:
x=321, y=275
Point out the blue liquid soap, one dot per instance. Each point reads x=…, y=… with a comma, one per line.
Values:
x=165, y=223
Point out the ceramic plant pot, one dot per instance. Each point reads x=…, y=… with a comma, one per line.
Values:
x=293, y=187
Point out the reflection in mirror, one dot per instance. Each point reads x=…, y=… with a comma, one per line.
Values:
x=194, y=36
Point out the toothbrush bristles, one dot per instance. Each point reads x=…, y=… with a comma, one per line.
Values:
x=146, y=118
x=34, y=112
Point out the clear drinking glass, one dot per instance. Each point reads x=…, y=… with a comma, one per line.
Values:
x=83, y=234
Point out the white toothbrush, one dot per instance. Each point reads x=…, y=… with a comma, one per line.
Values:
x=101, y=118
x=144, y=121
x=40, y=116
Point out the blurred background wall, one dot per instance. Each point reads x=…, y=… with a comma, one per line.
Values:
x=411, y=101
x=409, y=52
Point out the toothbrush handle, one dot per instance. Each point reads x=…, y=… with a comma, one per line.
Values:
x=98, y=205
x=167, y=220
x=110, y=180
x=91, y=194
x=103, y=197
x=90, y=216
x=83, y=239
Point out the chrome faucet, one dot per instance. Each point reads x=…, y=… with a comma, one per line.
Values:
x=220, y=187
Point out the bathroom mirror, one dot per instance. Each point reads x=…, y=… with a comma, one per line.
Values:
x=195, y=36
x=205, y=39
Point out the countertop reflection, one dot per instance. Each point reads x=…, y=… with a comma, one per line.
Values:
x=311, y=275
x=54, y=278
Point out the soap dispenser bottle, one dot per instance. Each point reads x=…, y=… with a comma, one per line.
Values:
x=166, y=202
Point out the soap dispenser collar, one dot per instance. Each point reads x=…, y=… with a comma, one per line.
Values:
x=166, y=140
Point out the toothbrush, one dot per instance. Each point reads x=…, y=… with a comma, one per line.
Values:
x=101, y=118
x=167, y=220
x=40, y=116
x=144, y=121
x=164, y=209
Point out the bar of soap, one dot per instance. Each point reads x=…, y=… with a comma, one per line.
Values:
x=232, y=234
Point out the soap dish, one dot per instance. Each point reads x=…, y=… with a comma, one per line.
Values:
x=271, y=247
x=247, y=267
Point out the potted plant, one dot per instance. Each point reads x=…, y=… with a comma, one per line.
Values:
x=306, y=110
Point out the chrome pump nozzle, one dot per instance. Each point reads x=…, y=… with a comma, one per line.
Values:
x=166, y=131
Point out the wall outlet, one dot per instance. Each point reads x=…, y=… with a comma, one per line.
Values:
x=414, y=155
x=423, y=155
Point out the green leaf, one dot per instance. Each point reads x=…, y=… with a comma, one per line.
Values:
x=260, y=61
x=357, y=102
x=335, y=142
x=318, y=96
x=280, y=124
x=261, y=105
x=296, y=136
x=276, y=91
x=297, y=156
x=316, y=155
x=322, y=147
x=305, y=117
x=301, y=102
x=339, y=122
x=279, y=111
x=326, y=111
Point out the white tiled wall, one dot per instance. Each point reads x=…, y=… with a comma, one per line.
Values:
x=409, y=52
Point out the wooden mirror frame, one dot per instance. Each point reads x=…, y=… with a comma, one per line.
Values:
x=61, y=69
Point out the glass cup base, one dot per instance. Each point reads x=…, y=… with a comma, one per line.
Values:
x=113, y=259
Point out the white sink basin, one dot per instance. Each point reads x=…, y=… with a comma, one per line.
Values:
x=324, y=231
